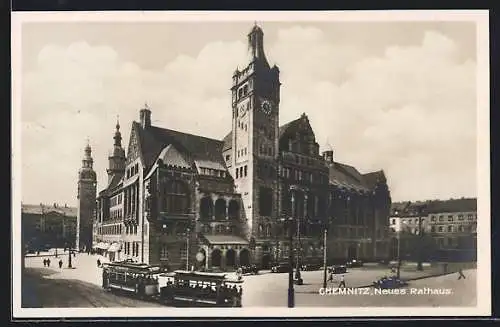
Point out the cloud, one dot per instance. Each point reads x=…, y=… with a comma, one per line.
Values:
x=410, y=111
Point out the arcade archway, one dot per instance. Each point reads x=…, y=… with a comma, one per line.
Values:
x=216, y=258
x=230, y=258
x=244, y=257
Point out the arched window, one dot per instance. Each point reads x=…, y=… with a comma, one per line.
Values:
x=268, y=230
x=234, y=209
x=206, y=208
x=175, y=197
x=265, y=201
x=220, y=209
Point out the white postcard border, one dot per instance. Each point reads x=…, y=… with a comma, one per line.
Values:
x=483, y=307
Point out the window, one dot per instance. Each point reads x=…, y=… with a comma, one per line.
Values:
x=460, y=217
x=433, y=229
x=246, y=168
x=469, y=217
x=164, y=252
x=450, y=218
x=393, y=221
x=265, y=201
x=175, y=197
x=441, y=229
x=441, y=218
x=237, y=173
x=433, y=218
x=450, y=229
x=228, y=157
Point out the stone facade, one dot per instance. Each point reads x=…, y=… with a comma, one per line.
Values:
x=194, y=201
x=87, y=187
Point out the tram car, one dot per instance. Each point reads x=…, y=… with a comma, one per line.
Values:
x=179, y=288
x=134, y=278
x=201, y=289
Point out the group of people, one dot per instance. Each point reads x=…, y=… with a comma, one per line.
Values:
x=46, y=263
x=341, y=282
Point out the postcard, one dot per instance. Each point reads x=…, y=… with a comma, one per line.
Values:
x=250, y=164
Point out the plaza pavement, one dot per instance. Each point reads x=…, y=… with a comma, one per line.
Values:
x=270, y=289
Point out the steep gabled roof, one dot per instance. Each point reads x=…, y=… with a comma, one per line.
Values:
x=345, y=176
x=154, y=139
x=228, y=141
x=373, y=178
x=290, y=125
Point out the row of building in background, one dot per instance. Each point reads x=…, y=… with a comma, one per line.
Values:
x=450, y=225
x=48, y=226
x=438, y=229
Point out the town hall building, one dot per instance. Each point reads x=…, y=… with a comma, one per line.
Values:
x=182, y=200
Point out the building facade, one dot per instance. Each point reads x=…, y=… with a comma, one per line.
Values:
x=452, y=225
x=86, y=197
x=182, y=200
x=48, y=226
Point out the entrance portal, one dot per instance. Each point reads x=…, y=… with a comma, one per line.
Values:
x=230, y=258
x=244, y=257
x=352, y=252
x=266, y=261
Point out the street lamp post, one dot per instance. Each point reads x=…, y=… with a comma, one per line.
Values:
x=291, y=291
x=324, y=256
x=187, y=248
x=69, y=259
x=420, y=238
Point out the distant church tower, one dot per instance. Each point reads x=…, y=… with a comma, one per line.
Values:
x=255, y=105
x=117, y=158
x=87, y=186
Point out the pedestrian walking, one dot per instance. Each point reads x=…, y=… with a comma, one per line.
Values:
x=98, y=263
x=330, y=278
x=48, y=262
x=45, y=262
x=60, y=264
x=342, y=282
x=460, y=274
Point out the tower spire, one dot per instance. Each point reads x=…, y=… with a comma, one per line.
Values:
x=256, y=45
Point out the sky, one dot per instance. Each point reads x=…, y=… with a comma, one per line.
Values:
x=396, y=96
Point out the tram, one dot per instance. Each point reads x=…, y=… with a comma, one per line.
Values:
x=182, y=288
x=133, y=278
x=201, y=289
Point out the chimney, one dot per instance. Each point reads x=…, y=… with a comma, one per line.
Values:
x=145, y=115
x=328, y=156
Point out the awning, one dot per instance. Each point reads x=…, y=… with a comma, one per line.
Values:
x=102, y=246
x=115, y=247
x=225, y=240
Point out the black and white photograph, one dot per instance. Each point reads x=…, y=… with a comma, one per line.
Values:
x=250, y=164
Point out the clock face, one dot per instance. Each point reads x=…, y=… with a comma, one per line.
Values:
x=266, y=107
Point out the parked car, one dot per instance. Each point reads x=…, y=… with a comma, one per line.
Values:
x=280, y=268
x=250, y=269
x=311, y=266
x=389, y=283
x=338, y=269
x=354, y=263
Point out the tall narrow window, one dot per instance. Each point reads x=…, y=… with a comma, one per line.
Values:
x=265, y=201
x=176, y=197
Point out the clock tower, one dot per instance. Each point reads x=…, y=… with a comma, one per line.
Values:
x=254, y=160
